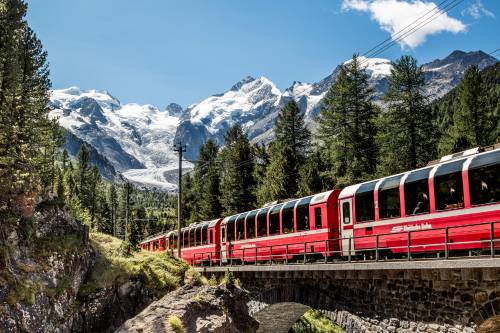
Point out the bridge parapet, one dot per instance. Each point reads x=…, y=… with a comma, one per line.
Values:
x=452, y=296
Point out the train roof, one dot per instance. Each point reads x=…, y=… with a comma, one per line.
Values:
x=315, y=199
x=349, y=191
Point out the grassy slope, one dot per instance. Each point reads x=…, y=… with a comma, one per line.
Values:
x=318, y=322
x=160, y=272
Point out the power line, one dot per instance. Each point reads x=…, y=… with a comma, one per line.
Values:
x=434, y=16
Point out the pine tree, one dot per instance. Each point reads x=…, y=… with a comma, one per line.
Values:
x=407, y=137
x=291, y=131
x=207, y=183
x=64, y=160
x=472, y=121
x=60, y=184
x=347, y=126
x=311, y=175
x=112, y=199
x=261, y=157
x=83, y=176
x=237, y=165
x=26, y=145
x=287, y=152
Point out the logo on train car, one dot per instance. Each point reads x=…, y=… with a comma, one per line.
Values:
x=414, y=227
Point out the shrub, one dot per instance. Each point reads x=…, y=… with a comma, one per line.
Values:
x=176, y=324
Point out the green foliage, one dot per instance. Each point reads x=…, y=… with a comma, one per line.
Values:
x=315, y=321
x=237, y=167
x=160, y=272
x=347, y=126
x=229, y=280
x=28, y=138
x=287, y=153
x=407, y=132
x=176, y=324
x=469, y=116
x=206, y=183
x=312, y=175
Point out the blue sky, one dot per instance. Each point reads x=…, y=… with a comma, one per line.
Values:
x=159, y=51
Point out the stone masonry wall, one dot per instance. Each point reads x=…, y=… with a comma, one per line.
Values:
x=427, y=301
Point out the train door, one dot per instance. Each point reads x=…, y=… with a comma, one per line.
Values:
x=347, y=226
x=223, y=240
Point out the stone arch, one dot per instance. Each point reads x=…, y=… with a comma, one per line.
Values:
x=487, y=317
x=279, y=317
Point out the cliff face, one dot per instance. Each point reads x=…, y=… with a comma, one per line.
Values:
x=54, y=278
x=46, y=260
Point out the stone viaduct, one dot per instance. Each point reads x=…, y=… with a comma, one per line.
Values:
x=428, y=296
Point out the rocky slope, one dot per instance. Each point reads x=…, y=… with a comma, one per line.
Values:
x=53, y=278
x=195, y=309
x=137, y=140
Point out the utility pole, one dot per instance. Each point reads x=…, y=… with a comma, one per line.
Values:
x=180, y=149
x=127, y=197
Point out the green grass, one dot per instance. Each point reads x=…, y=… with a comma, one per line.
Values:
x=318, y=322
x=176, y=324
x=160, y=272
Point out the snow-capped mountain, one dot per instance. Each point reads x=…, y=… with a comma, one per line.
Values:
x=255, y=103
x=136, y=139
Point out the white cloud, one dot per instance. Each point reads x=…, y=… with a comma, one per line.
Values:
x=395, y=15
x=477, y=10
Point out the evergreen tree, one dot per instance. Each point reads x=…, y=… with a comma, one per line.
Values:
x=83, y=175
x=26, y=145
x=94, y=184
x=60, y=184
x=189, y=198
x=472, y=122
x=407, y=137
x=286, y=153
x=261, y=157
x=207, y=183
x=291, y=131
x=311, y=175
x=112, y=199
x=237, y=165
x=64, y=160
x=347, y=126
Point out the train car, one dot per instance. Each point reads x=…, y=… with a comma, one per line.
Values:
x=200, y=242
x=154, y=243
x=451, y=205
x=283, y=231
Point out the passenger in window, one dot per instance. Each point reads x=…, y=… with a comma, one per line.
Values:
x=240, y=235
x=422, y=204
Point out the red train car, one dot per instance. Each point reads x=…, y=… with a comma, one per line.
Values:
x=424, y=209
x=154, y=243
x=200, y=242
x=282, y=231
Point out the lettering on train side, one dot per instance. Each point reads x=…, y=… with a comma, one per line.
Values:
x=414, y=227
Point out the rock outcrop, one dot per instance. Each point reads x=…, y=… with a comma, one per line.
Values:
x=200, y=309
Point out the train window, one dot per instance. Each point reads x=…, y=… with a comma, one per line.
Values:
x=274, y=220
x=230, y=228
x=174, y=242
x=388, y=198
x=240, y=227
x=250, y=222
x=223, y=232
x=416, y=190
x=365, y=205
x=317, y=218
x=262, y=223
x=448, y=186
x=287, y=217
x=484, y=179
x=203, y=236
x=185, y=240
x=346, y=213
x=302, y=212
x=191, y=238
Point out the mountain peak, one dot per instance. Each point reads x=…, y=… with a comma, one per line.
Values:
x=174, y=109
x=237, y=86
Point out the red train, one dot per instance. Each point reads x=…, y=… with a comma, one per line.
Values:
x=452, y=205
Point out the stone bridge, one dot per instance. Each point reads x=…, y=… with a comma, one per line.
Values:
x=428, y=296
